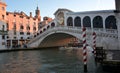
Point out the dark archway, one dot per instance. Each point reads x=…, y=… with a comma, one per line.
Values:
x=70, y=21
x=77, y=21
x=110, y=22
x=98, y=22
x=86, y=21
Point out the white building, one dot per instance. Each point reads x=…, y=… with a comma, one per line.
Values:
x=2, y=35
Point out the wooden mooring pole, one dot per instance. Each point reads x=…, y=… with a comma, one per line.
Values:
x=84, y=49
x=94, y=43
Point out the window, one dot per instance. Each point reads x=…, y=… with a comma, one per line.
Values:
x=14, y=37
x=3, y=17
x=21, y=27
x=86, y=21
x=110, y=22
x=14, y=27
x=7, y=36
x=98, y=22
x=21, y=38
x=21, y=16
x=70, y=21
x=28, y=33
x=37, y=33
x=7, y=13
x=14, y=32
x=7, y=27
x=28, y=37
x=34, y=28
x=53, y=24
x=28, y=27
x=34, y=35
x=14, y=15
x=28, y=17
x=34, y=18
x=3, y=8
x=3, y=27
x=3, y=36
x=77, y=22
x=21, y=33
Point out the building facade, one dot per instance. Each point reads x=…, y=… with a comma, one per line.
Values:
x=20, y=26
x=3, y=33
x=46, y=21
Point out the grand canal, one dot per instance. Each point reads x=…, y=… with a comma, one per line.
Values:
x=46, y=61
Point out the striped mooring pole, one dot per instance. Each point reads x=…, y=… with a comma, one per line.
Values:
x=84, y=49
x=94, y=43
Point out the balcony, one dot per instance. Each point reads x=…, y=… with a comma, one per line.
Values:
x=2, y=32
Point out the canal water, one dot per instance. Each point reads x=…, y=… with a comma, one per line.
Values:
x=46, y=61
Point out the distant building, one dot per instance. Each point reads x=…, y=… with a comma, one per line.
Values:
x=3, y=33
x=45, y=21
x=20, y=27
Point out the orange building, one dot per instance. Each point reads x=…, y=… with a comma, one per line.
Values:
x=45, y=21
x=20, y=26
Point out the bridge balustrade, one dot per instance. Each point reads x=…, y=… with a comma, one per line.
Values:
x=78, y=29
x=74, y=30
x=111, y=31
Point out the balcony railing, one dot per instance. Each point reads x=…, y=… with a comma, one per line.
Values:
x=74, y=30
x=3, y=32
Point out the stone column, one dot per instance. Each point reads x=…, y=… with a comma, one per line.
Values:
x=118, y=27
x=117, y=3
x=104, y=28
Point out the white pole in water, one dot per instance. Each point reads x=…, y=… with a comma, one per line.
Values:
x=84, y=48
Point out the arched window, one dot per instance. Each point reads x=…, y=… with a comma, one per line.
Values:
x=77, y=22
x=44, y=29
x=52, y=24
x=70, y=21
x=110, y=22
x=48, y=26
x=98, y=22
x=40, y=31
x=37, y=33
x=86, y=21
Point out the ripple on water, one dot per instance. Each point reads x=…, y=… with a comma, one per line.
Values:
x=45, y=61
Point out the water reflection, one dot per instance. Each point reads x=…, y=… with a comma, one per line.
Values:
x=45, y=61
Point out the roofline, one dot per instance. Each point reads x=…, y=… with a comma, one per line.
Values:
x=3, y=3
x=62, y=9
x=99, y=11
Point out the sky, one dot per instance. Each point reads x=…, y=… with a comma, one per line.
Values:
x=48, y=7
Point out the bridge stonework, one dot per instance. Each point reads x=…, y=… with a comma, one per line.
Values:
x=68, y=25
x=59, y=36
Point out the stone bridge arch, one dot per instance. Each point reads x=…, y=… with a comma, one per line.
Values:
x=58, y=39
x=55, y=38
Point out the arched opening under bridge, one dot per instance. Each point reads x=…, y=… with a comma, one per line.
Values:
x=58, y=39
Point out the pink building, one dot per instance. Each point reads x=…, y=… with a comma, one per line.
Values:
x=20, y=26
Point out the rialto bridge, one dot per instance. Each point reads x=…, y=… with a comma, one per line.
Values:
x=67, y=26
